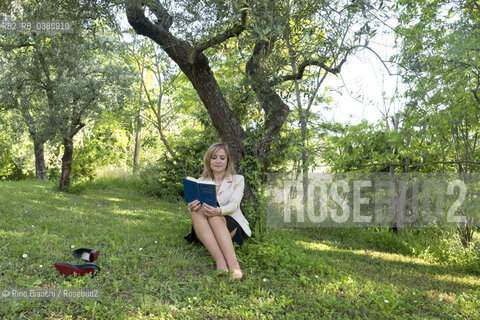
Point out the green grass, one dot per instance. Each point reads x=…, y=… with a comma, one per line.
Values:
x=150, y=272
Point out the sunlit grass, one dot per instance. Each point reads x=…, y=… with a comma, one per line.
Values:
x=149, y=271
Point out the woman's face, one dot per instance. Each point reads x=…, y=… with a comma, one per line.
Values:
x=218, y=163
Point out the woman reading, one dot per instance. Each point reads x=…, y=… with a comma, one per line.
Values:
x=218, y=227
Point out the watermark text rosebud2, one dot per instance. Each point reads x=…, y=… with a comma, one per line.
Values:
x=374, y=199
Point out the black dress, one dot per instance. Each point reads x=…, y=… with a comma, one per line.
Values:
x=231, y=225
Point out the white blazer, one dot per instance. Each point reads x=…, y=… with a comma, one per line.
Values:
x=229, y=196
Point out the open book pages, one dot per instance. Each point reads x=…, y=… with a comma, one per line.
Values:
x=196, y=180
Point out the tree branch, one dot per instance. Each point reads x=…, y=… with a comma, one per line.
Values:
x=11, y=47
x=234, y=31
x=76, y=128
x=48, y=85
x=475, y=95
x=158, y=31
x=276, y=111
x=199, y=73
x=314, y=94
x=163, y=17
x=301, y=69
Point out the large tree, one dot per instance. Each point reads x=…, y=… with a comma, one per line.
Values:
x=189, y=33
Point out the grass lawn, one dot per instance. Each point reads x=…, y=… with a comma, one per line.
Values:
x=150, y=272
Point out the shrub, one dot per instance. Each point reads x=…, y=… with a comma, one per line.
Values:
x=164, y=178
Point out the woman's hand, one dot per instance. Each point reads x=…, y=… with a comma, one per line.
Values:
x=211, y=211
x=195, y=205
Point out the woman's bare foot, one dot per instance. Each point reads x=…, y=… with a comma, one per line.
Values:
x=222, y=266
x=221, y=272
x=221, y=269
x=237, y=274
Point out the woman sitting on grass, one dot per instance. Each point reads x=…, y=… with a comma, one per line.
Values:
x=218, y=227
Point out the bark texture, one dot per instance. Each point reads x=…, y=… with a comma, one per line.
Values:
x=40, y=167
x=66, y=163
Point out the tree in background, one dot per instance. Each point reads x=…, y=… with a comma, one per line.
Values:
x=438, y=129
x=17, y=93
x=157, y=91
x=70, y=78
x=440, y=56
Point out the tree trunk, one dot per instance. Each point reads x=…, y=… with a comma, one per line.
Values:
x=66, y=163
x=138, y=140
x=397, y=224
x=40, y=168
x=38, y=144
x=200, y=75
x=303, y=126
x=304, y=166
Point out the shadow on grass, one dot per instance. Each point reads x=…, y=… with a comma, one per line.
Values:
x=409, y=273
x=148, y=268
x=372, y=284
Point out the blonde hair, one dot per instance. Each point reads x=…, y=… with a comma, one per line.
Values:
x=207, y=171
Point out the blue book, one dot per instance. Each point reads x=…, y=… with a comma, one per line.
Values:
x=204, y=191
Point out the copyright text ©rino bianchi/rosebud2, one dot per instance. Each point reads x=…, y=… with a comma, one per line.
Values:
x=30, y=294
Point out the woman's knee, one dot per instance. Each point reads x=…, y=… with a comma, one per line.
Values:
x=217, y=220
x=198, y=215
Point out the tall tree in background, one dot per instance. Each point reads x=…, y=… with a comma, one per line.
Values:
x=71, y=77
x=150, y=63
x=18, y=93
x=310, y=88
x=86, y=80
x=440, y=56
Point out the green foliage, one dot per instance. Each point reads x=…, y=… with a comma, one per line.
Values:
x=113, y=181
x=104, y=143
x=15, y=147
x=59, y=82
x=440, y=44
x=285, y=152
x=361, y=148
x=254, y=208
x=9, y=170
x=163, y=179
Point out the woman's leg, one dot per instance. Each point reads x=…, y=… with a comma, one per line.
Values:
x=204, y=233
x=224, y=240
